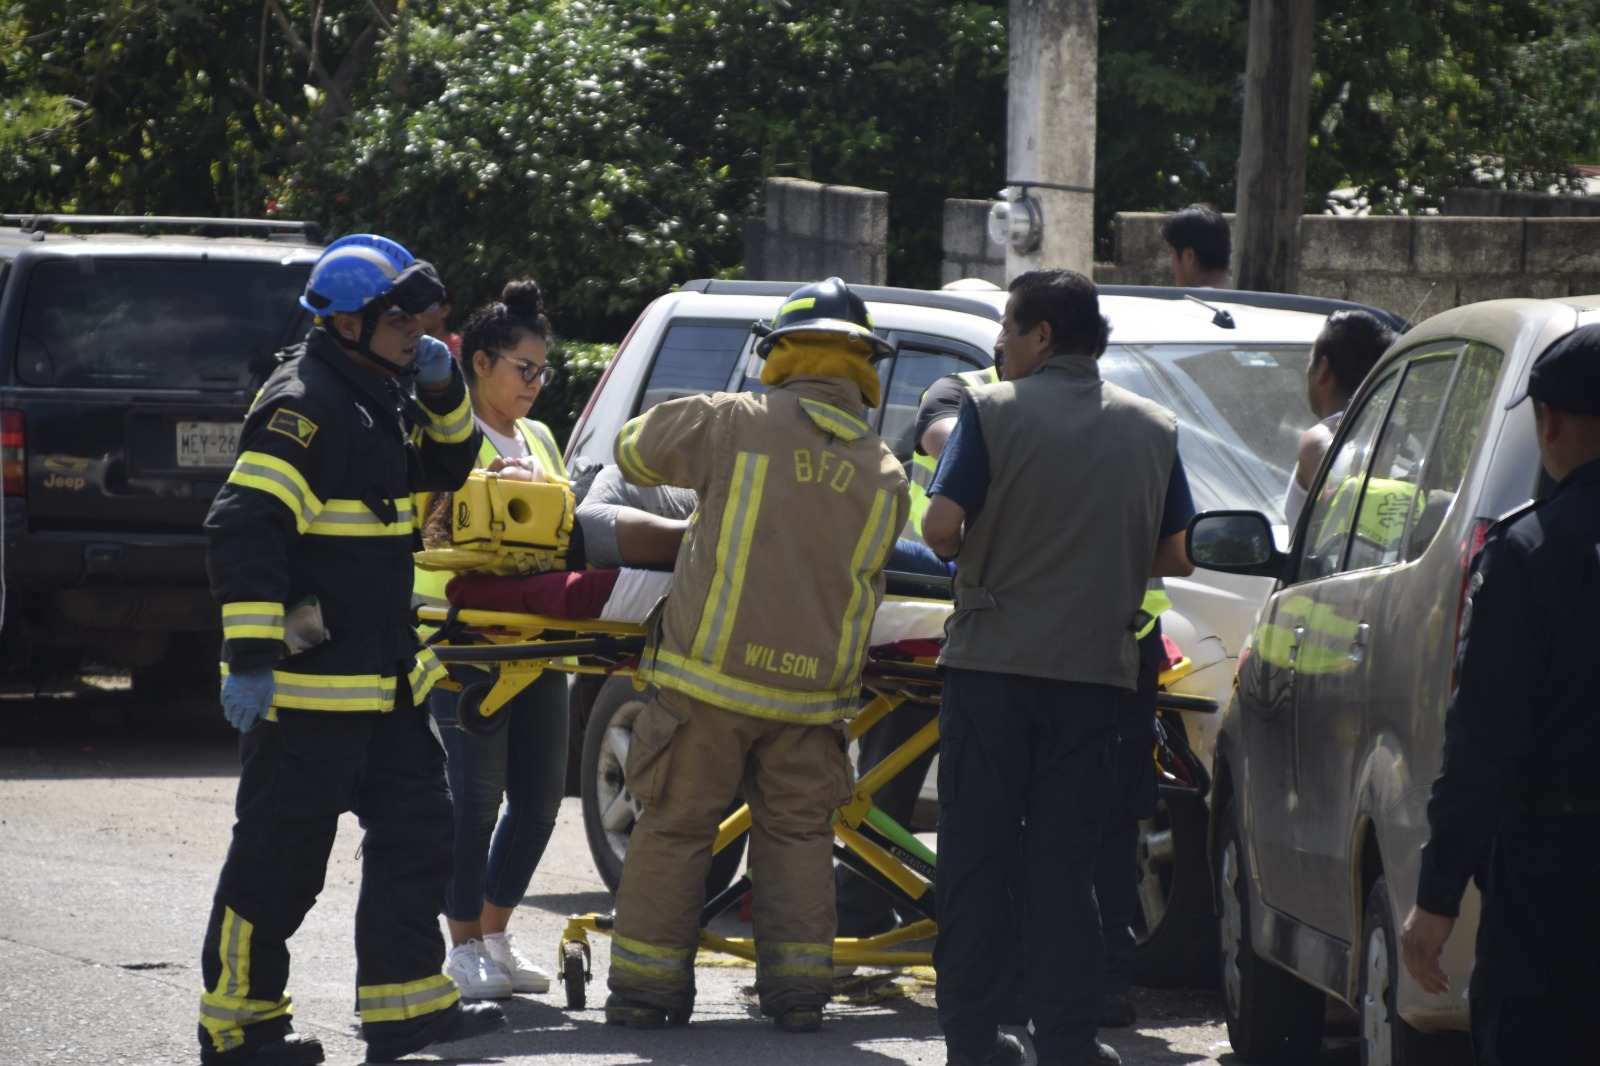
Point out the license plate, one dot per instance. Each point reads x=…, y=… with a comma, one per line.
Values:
x=207, y=443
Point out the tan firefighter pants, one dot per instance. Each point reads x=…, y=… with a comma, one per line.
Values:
x=684, y=766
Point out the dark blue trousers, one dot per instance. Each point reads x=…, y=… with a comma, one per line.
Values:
x=1025, y=768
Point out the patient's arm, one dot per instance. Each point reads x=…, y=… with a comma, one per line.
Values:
x=644, y=539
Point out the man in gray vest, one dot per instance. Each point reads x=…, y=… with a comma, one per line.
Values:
x=1050, y=496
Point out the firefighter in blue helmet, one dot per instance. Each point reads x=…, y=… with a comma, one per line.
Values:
x=310, y=555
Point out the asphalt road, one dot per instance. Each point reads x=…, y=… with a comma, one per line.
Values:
x=114, y=819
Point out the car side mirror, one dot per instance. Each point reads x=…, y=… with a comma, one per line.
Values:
x=1235, y=542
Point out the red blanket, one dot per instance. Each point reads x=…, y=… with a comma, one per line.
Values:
x=559, y=594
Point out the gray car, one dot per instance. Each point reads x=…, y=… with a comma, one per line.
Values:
x=1335, y=731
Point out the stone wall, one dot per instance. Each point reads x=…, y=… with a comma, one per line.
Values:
x=1395, y=262
x=811, y=231
x=968, y=251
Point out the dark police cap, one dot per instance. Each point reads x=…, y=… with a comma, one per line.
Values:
x=1567, y=374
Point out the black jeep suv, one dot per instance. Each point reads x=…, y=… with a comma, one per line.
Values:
x=130, y=349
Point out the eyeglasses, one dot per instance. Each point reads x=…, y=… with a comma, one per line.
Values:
x=543, y=373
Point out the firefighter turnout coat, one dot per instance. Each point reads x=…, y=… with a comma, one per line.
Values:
x=319, y=511
x=791, y=482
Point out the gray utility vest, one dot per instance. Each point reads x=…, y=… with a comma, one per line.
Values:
x=1053, y=570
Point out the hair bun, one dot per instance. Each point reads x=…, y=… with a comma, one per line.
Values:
x=523, y=298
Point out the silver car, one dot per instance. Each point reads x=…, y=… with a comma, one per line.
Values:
x=1335, y=730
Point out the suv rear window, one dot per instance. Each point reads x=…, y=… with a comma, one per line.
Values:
x=156, y=323
x=694, y=359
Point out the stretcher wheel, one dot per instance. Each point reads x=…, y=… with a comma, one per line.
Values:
x=469, y=711
x=574, y=974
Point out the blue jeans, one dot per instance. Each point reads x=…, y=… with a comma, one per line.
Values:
x=526, y=762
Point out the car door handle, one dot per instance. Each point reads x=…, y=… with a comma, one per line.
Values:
x=1358, y=646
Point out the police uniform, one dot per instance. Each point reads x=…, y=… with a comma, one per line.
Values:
x=318, y=511
x=1513, y=806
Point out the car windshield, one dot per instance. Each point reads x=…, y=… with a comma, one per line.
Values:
x=157, y=323
x=1241, y=411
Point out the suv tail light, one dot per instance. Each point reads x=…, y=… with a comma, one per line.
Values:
x=12, y=459
x=1469, y=552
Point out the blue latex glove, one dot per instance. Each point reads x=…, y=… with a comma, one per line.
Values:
x=433, y=362
x=246, y=697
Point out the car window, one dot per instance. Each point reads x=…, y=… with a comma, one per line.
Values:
x=1453, y=444
x=1389, y=499
x=1333, y=500
x=694, y=358
x=918, y=363
x=1241, y=410
x=142, y=323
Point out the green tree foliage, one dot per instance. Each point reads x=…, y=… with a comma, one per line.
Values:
x=1411, y=100
x=170, y=107
x=1408, y=100
x=612, y=148
x=1168, y=105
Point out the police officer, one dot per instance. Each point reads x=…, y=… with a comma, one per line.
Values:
x=1513, y=806
x=310, y=555
x=757, y=655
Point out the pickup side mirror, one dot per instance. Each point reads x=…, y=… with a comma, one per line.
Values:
x=1235, y=542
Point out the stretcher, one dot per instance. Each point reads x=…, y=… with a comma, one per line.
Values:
x=514, y=647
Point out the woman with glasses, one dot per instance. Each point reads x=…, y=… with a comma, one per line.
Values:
x=505, y=351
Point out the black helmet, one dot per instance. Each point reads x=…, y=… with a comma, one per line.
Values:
x=823, y=307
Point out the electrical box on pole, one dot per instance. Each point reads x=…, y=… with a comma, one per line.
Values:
x=1049, y=211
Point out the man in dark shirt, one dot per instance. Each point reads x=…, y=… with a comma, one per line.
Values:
x=1511, y=806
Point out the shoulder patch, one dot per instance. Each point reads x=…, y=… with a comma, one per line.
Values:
x=293, y=424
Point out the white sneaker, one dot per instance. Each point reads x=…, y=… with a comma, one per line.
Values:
x=470, y=967
x=522, y=973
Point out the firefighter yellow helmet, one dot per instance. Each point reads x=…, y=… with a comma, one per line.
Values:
x=824, y=307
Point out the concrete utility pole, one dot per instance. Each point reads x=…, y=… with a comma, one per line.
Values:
x=1272, y=155
x=1055, y=50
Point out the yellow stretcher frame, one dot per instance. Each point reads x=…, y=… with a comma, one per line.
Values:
x=510, y=644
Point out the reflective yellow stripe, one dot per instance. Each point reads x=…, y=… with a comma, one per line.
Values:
x=666, y=966
x=331, y=692
x=226, y=1009
x=1156, y=603
x=412, y=999
x=871, y=550
x=245, y=620
x=746, y=697
x=352, y=518
x=278, y=479
x=795, y=960
x=797, y=305
x=841, y=424
x=224, y=1017
x=235, y=951
x=452, y=428
x=733, y=556
x=427, y=672
x=628, y=455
